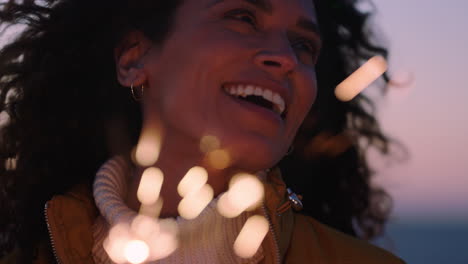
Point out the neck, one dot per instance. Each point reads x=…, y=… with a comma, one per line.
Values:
x=174, y=161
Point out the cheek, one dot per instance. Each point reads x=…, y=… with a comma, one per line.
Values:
x=307, y=92
x=221, y=53
x=305, y=97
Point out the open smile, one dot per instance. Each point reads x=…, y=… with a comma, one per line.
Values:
x=259, y=96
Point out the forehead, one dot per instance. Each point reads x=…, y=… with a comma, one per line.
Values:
x=303, y=8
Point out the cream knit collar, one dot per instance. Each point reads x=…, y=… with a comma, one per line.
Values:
x=207, y=239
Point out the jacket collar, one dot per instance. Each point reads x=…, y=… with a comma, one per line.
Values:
x=70, y=218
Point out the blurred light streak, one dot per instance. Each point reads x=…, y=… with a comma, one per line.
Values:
x=115, y=243
x=136, y=251
x=193, y=204
x=149, y=145
x=152, y=210
x=146, y=238
x=143, y=226
x=251, y=236
x=193, y=181
x=150, y=186
x=164, y=242
x=245, y=193
x=361, y=78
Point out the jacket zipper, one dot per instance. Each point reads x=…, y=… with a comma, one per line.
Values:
x=50, y=234
x=272, y=230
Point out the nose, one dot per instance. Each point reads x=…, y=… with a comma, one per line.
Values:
x=277, y=57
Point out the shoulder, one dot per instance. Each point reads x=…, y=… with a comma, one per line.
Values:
x=74, y=208
x=70, y=218
x=312, y=240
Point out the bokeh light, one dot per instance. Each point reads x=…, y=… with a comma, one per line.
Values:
x=114, y=244
x=209, y=143
x=194, y=203
x=152, y=210
x=361, y=78
x=245, y=192
x=219, y=159
x=164, y=242
x=226, y=208
x=145, y=239
x=10, y=164
x=251, y=236
x=149, y=146
x=150, y=186
x=194, y=180
x=143, y=226
x=136, y=251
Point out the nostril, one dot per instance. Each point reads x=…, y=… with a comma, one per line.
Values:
x=271, y=63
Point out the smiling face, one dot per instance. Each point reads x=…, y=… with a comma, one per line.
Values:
x=240, y=70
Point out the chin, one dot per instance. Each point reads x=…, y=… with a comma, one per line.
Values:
x=255, y=156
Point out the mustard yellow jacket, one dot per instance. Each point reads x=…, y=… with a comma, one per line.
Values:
x=295, y=238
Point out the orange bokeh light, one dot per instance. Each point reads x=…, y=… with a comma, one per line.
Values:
x=361, y=78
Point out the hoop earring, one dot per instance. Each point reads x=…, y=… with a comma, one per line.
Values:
x=137, y=96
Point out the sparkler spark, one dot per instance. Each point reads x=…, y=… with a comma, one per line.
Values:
x=361, y=78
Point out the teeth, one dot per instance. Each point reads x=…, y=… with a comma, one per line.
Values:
x=246, y=90
x=279, y=103
x=268, y=95
x=258, y=91
x=249, y=90
x=240, y=90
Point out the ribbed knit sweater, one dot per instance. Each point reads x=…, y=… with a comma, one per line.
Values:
x=209, y=238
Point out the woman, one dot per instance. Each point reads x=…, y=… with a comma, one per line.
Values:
x=62, y=86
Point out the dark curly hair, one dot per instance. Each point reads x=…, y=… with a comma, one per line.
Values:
x=57, y=73
x=329, y=163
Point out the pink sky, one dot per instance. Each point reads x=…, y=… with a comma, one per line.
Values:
x=428, y=38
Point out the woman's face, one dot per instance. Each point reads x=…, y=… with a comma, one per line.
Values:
x=240, y=70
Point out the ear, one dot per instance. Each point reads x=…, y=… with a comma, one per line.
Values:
x=129, y=58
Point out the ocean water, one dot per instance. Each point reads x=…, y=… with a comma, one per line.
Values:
x=419, y=242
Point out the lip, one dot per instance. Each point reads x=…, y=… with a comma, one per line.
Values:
x=253, y=108
x=283, y=91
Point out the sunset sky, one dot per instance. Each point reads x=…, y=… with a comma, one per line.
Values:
x=428, y=42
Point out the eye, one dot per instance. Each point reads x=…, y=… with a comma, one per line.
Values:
x=306, y=50
x=304, y=45
x=242, y=15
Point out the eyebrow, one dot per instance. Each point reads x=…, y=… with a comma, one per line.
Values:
x=265, y=5
x=308, y=25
